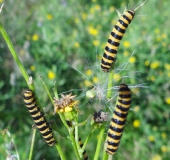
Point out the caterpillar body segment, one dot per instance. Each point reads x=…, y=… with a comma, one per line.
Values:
x=85, y=157
x=118, y=120
x=109, y=56
x=38, y=117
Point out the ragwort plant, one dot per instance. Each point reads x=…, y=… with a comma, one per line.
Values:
x=68, y=109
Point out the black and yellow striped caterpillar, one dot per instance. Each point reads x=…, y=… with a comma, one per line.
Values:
x=109, y=56
x=85, y=157
x=38, y=117
x=118, y=120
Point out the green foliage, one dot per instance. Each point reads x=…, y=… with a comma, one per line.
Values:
x=52, y=38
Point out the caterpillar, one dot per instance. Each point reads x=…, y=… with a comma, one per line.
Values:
x=80, y=143
x=118, y=119
x=85, y=157
x=110, y=51
x=38, y=117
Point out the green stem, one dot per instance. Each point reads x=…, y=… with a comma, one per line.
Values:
x=15, y=56
x=88, y=137
x=60, y=152
x=74, y=144
x=99, y=144
x=105, y=156
x=110, y=85
x=32, y=144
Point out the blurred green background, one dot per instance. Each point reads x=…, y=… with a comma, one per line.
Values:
x=53, y=38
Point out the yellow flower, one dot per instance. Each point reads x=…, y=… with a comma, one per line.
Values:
x=151, y=138
x=167, y=100
x=51, y=75
x=111, y=9
x=126, y=53
x=49, y=17
x=147, y=63
x=164, y=44
x=77, y=44
x=88, y=83
x=117, y=77
x=92, y=31
x=97, y=7
x=89, y=72
x=163, y=135
x=113, y=22
x=93, y=0
x=164, y=35
x=32, y=68
x=126, y=44
x=155, y=65
x=1, y=1
x=103, y=45
x=135, y=90
x=157, y=30
x=156, y=157
x=132, y=59
x=84, y=16
x=136, y=108
x=167, y=66
x=152, y=78
x=35, y=37
x=168, y=74
x=136, y=123
x=164, y=149
x=91, y=10
x=158, y=38
x=95, y=79
x=96, y=43
x=76, y=20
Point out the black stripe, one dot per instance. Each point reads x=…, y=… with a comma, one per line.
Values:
x=31, y=102
x=34, y=112
x=117, y=121
x=127, y=95
x=106, y=63
x=38, y=117
x=113, y=43
x=121, y=115
x=113, y=136
x=118, y=130
x=123, y=23
x=40, y=123
x=125, y=102
x=84, y=152
x=132, y=13
x=43, y=128
x=126, y=18
x=48, y=138
x=32, y=107
x=47, y=133
x=109, y=57
x=122, y=108
x=111, y=150
x=52, y=142
x=113, y=143
x=110, y=50
x=120, y=29
x=116, y=36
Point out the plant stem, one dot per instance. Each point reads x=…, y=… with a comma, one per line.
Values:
x=60, y=152
x=110, y=85
x=74, y=144
x=88, y=137
x=32, y=144
x=105, y=156
x=99, y=144
x=15, y=56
